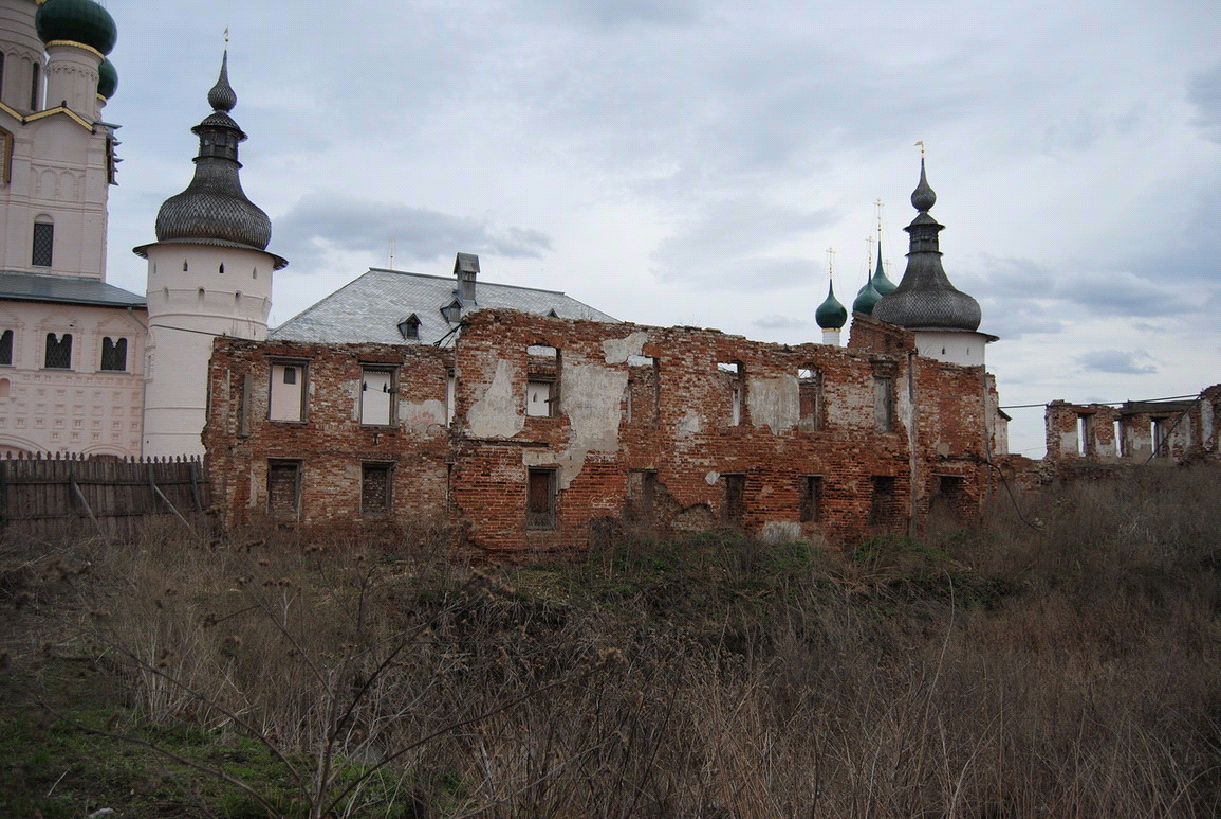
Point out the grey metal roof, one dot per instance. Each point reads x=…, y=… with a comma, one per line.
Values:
x=370, y=308
x=64, y=289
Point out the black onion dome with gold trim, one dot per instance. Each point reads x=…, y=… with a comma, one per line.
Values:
x=76, y=21
x=925, y=299
x=214, y=209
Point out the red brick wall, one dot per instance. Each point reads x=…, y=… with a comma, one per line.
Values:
x=476, y=470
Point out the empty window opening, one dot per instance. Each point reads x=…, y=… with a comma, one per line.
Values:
x=641, y=492
x=6, y=388
x=1121, y=446
x=6, y=348
x=36, y=88
x=284, y=489
x=810, y=497
x=58, y=353
x=1085, y=434
x=809, y=398
x=541, y=499
x=883, y=403
x=44, y=244
x=882, y=502
x=644, y=389
x=377, y=392
x=1158, y=430
x=451, y=395
x=114, y=354
x=731, y=373
x=735, y=499
x=542, y=382
x=288, y=386
x=375, y=489
x=221, y=269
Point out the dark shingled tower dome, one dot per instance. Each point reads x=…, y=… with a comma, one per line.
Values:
x=214, y=209
x=925, y=299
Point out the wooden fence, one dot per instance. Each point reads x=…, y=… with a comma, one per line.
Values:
x=48, y=495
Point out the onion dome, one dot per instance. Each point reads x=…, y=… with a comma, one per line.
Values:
x=866, y=298
x=78, y=21
x=879, y=281
x=108, y=79
x=925, y=299
x=214, y=209
x=831, y=315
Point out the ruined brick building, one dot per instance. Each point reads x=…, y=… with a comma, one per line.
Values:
x=534, y=430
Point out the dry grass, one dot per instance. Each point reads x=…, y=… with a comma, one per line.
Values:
x=1065, y=670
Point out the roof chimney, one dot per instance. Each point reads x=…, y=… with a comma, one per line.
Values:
x=466, y=268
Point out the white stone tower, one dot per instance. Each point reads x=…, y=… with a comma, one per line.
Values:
x=209, y=275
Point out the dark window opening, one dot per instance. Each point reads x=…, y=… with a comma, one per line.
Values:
x=114, y=354
x=375, y=489
x=1158, y=430
x=284, y=489
x=58, y=353
x=949, y=497
x=735, y=499
x=6, y=348
x=35, y=87
x=409, y=328
x=44, y=244
x=641, y=491
x=541, y=499
x=881, y=506
x=810, y=491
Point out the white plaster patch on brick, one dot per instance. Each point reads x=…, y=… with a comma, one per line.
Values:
x=498, y=412
x=422, y=413
x=780, y=531
x=690, y=423
x=711, y=478
x=618, y=350
x=773, y=402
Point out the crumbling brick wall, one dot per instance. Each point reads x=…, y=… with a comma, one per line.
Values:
x=562, y=428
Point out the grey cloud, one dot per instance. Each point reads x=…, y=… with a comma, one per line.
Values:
x=718, y=247
x=319, y=223
x=777, y=322
x=1116, y=361
x=1204, y=91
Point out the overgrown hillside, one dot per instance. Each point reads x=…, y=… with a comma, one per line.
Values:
x=1061, y=660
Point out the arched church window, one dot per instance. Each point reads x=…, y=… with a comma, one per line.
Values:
x=114, y=354
x=58, y=354
x=44, y=244
x=6, y=348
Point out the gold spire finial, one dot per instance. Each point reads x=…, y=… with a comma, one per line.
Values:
x=868, y=255
x=831, y=261
x=392, y=253
x=879, y=204
x=921, y=144
x=226, y=36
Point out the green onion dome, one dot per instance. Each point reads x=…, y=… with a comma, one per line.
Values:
x=831, y=315
x=866, y=298
x=79, y=21
x=108, y=79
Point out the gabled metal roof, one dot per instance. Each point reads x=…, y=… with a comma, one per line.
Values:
x=370, y=308
x=65, y=290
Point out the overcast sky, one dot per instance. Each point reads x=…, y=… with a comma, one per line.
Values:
x=684, y=162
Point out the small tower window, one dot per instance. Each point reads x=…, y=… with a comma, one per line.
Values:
x=44, y=244
x=410, y=327
x=35, y=87
x=222, y=268
x=6, y=348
